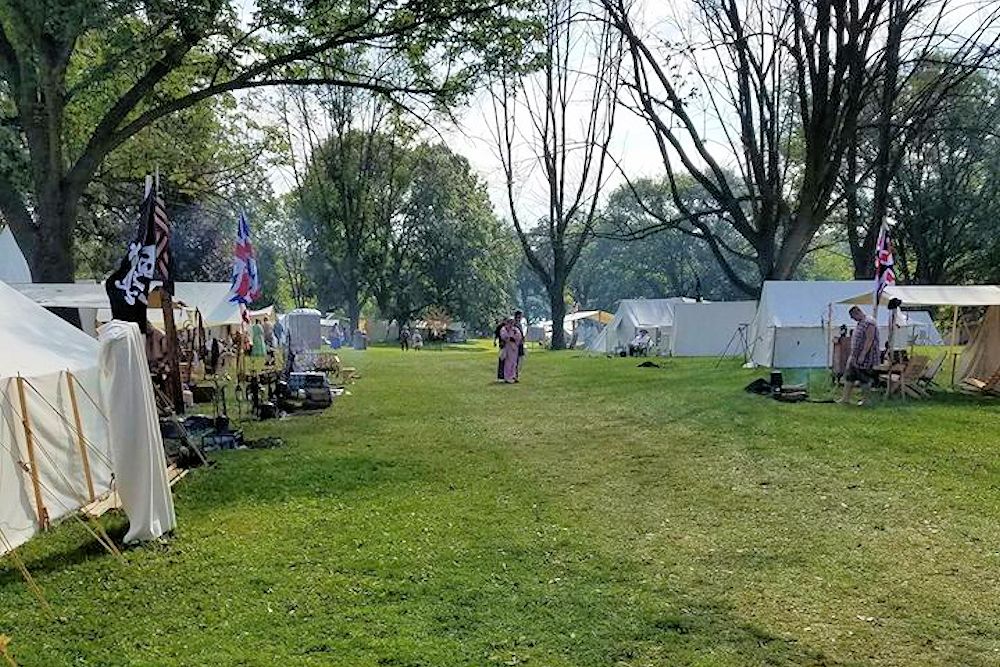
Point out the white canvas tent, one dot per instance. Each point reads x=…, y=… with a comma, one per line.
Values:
x=796, y=320
x=13, y=266
x=56, y=447
x=925, y=332
x=982, y=355
x=654, y=315
x=211, y=299
x=706, y=329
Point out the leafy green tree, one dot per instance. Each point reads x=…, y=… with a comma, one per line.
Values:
x=83, y=77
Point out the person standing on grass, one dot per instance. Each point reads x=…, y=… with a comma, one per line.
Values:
x=404, y=339
x=522, y=326
x=498, y=343
x=511, y=339
x=864, y=356
x=257, y=349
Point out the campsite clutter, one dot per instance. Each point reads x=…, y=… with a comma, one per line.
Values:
x=800, y=326
x=94, y=418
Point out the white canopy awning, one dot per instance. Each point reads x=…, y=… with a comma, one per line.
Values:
x=212, y=299
x=934, y=295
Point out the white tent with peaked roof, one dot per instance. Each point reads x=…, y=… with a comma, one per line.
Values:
x=654, y=315
x=58, y=417
x=13, y=266
x=796, y=320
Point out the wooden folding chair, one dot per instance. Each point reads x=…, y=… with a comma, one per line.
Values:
x=908, y=382
x=990, y=385
x=926, y=380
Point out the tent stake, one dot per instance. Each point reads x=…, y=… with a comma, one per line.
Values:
x=954, y=342
x=43, y=514
x=70, y=381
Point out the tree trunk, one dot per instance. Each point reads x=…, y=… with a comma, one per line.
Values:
x=52, y=258
x=557, y=303
x=353, y=307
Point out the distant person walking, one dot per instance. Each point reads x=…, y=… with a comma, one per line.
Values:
x=864, y=356
x=404, y=339
x=512, y=339
x=269, y=338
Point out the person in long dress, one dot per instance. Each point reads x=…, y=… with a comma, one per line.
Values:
x=258, y=349
x=511, y=338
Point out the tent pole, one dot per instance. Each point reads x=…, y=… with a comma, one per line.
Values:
x=70, y=380
x=173, y=357
x=954, y=342
x=892, y=331
x=43, y=514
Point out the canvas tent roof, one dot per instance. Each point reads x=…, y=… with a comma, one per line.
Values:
x=13, y=266
x=981, y=357
x=791, y=327
x=634, y=314
x=40, y=347
x=212, y=299
x=931, y=295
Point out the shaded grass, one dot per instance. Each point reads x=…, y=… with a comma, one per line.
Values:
x=596, y=514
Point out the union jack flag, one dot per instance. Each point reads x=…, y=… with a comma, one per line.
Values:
x=245, y=287
x=885, y=272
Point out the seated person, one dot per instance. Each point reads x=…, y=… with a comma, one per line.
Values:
x=640, y=344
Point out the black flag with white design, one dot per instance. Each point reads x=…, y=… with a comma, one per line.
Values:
x=128, y=287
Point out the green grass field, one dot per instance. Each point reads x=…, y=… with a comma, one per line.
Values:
x=596, y=514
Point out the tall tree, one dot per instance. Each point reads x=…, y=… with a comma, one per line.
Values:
x=945, y=198
x=785, y=87
x=566, y=113
x=82, y=77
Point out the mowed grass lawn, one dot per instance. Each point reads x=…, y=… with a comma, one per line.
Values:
x=596, y=514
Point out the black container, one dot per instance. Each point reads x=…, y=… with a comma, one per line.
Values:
x=776, y=381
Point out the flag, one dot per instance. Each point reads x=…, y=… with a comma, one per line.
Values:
x=128, y=287
x=885, y=272
x=162, y=232
x=245, y=286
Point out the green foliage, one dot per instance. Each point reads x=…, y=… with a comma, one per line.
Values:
x=659, y=517
x=407, y=225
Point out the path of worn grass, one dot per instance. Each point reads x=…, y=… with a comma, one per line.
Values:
x=597, y=514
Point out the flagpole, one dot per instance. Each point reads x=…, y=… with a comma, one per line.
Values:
x=176, y=390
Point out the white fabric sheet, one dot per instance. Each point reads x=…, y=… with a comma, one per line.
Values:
x=140, y=468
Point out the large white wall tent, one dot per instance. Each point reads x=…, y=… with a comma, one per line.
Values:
x=210, y=299
x=654, y=315
x=13, y=266
x=57, y=452
x=793, y=326
x=706, y=329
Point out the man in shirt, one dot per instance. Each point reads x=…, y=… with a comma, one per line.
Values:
x=640, y=344
x=864, y=355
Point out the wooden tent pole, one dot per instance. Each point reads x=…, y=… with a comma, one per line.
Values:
x=173, y=347
x=43, y=514
x=954, y=342
x=70, y=382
